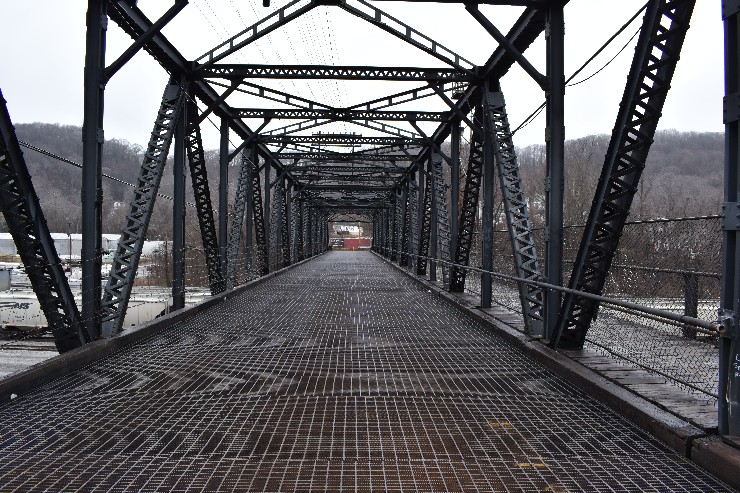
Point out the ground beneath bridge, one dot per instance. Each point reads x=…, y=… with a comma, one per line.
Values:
x=339, y=375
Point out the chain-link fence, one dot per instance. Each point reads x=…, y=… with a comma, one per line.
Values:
x=668, y=264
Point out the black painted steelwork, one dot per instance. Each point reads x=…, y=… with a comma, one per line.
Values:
x=469, y=211
x=241, y=199
x=487, y=191
x=178, y=212
x=260, y=235
x=223, y=197
x=327, y=183
x=403, y=248
x=25, y=219
x=202, y=193
x=526, y=265
x=425, y=225
x=285, y=222
x=658, y=48
x=729, y=311
x=338, y=157
x=92, y=168
x=555, y=161
x=339, y=139
x=340, y=114
x=122, y=275
x=293, y=72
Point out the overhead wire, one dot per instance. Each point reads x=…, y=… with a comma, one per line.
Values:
x=532, y=116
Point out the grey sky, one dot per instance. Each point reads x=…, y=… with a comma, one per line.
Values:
x=43, y=57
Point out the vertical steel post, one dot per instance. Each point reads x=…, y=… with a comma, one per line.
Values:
x=455, y=185
x=288, y=236
x=92, y=171
x=223, y=197
x=309, y=232
x=729, y=309
x=433, y=225
x=279, y=200
x=413, y=240
x=489, y=173
x=249, y=218
x=394, y=227
x=178, y=214
x=555, y=149
x=403, y=241
x=266, y=212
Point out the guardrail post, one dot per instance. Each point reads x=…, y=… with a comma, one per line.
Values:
x=729, y=349
x=690, y=301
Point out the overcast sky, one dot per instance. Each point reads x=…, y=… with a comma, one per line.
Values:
x=42, y=64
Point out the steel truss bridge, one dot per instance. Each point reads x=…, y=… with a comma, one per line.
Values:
x=291, y=181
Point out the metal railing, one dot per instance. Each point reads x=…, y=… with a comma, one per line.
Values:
x=659, y=308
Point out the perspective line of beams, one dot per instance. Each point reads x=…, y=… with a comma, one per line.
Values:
x=340, y=114
x=329, y=139
x=249, y=71
x=341, y=157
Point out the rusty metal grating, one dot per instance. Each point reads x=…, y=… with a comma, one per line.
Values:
x=340, y=375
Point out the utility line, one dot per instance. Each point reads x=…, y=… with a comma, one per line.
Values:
x=539, y=109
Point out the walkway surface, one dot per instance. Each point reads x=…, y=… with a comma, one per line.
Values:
x=339, y=375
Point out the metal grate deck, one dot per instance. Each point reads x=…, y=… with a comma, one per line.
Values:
x=339, y=375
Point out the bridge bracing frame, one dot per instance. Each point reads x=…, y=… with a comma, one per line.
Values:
x=657, y=52
x=25, y=219
x=399, y=176
x=729, y=309
x=202, y=193
x=128, y=251
x=237, y=219
x=526, y=265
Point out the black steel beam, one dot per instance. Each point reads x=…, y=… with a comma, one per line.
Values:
x=130, y=18
x=403, y=31
x=139, y=43
x=323, y=72
x=469, y=210
x=657, y=52
x=526, y=265
x=128, y=251
x=201, y=191
x=25, y=220
x=555, y=162
x=729, y=308
x=487, y=216
x=260, y=235
x=263, y=27
x=339, y=140
x=345, y=188
x=528, y=27
x=506, y=44
x=340, y=157
x=92, y=170
x=340, y=114
x=178, y=212
x=223, y=196
x=271, y=94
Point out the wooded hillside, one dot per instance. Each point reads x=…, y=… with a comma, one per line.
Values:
x=683, y=177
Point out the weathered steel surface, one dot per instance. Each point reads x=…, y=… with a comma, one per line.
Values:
x=339, y=375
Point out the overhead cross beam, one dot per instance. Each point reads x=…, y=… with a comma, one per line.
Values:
x=341, y=114
x=341, y=157
x=322, y=72
x=340, y=139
